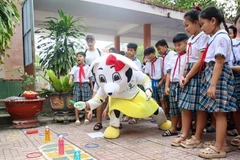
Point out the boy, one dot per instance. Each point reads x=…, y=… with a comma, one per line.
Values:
x=131, y=54
x=81, y=90
x=153, y=70
x=163, y=50
x=175, y=65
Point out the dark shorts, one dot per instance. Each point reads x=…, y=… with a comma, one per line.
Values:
x=81, y=92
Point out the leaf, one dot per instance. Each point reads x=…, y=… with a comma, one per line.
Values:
x=55, y=82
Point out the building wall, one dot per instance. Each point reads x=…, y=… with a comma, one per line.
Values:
x=9, y=76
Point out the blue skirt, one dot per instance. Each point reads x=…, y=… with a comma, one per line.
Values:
x=190, y=94
x=225, y=93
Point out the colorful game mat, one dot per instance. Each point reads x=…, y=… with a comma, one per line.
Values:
x=50, y=152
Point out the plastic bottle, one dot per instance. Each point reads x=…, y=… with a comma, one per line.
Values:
x=47, y=134
x=77, y=154
x=31, y=131
x=60, y=145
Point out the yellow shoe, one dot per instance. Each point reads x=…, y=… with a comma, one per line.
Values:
x=165, y=125
x=111, y=132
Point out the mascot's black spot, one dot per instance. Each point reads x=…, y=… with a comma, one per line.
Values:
x=101, y=100
x=129, y=74
x=156, y=112
x=117, y=113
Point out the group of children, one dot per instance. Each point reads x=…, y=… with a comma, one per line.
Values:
x=201, y=76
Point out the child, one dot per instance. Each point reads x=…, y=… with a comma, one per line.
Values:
x=153, y=70
x=131, y=54
x=162, y=48
x=81, y=90
x=175, y=66
x=217, y=82
x=232, y=32
x=236, y=50
x=190, y=80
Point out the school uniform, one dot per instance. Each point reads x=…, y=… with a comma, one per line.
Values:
x=225, y=101
x=81, y=89
x=236, y=61
x=189, y=95
x=175, y=66
x=153, y=69
x=166, y=58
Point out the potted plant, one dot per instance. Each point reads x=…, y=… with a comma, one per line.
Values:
x=24, y=109
x=9, y=18
x=57, y=56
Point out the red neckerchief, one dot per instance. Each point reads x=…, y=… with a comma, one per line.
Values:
x=203, y=57
x=153, y=67
x=81, y=73
x=189, y=51
x=178, y=59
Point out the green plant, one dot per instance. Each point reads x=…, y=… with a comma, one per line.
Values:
x=8, y=18
x=59, y=85
x=57, y=49
x=27, y=80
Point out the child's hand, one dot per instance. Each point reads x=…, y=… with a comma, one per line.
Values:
x=182, y=79
x=160, y=83
x=89, y=115
x=104, y=114
x=70, y=81
x=167, y=91
x=211, y=92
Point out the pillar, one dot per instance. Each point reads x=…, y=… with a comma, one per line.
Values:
x=117, y=43
x=147, y=35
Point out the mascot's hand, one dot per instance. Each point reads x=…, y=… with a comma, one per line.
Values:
x=148, y=93
x=80, y=105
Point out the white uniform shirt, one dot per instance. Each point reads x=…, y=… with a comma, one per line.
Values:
x=156, y=72
x=219, y=44
x=195, y=45
x=91, y=56
x=236, y=49
x=75, y=73
x=176, y=67
x=167, y=58
x=138, y=63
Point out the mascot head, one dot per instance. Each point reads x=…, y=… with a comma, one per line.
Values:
x=113, y=72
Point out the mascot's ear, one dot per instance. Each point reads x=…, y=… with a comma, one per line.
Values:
x=94, y=63
x=126, y=61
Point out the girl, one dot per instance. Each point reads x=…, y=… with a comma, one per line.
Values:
x=236, y=69
x=190, y=80
x=217, y=87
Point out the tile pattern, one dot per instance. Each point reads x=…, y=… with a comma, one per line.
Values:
x=142, y=141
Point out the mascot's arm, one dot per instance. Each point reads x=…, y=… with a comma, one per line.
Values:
x=96, y=101
x=145, y=81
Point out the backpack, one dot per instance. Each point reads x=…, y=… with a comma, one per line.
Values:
x=97, y=50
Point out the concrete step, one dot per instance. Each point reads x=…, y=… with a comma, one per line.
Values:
x=5, y=118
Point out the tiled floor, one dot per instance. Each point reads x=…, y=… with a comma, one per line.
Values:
x=142, y=141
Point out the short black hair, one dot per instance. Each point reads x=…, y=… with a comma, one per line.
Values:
x=122, y=53
x=81, y=53
x=149, y=50
x=192, y=15
x=132, y=45
x=180, y=37
x=234, y=30
x=113, y=50
x=161, y=42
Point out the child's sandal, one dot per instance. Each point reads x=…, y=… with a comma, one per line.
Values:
x=211, y=152
x=97, y=126
x=191, y=143
x=177, y=141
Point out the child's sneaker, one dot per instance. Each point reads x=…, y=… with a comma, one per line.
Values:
x=77, y=122
x=86, y=121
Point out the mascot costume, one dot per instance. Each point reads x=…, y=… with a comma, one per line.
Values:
x=118, y=77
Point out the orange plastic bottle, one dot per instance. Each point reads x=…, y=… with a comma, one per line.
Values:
x=47, y=134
